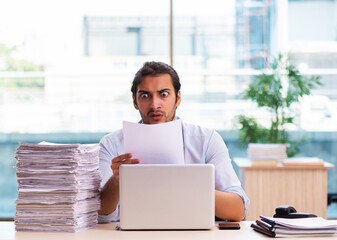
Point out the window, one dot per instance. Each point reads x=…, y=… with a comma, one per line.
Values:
x=66, y=67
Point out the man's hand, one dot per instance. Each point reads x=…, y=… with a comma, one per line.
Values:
x=119, y=160
x=110, y=191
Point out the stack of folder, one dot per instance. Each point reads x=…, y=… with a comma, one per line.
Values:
x=261, y=154
x=299, y=227
x=58, y=187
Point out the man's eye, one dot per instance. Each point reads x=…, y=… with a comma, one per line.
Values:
x=164, y=94
x=144, y=95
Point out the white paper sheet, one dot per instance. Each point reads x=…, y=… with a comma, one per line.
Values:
x=155, y=143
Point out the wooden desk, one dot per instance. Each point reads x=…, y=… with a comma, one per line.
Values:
x=107, y=231
x=305, y=188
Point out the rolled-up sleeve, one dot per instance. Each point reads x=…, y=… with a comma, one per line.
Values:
x=226, y=180
x=239, y=191
x=112, y=217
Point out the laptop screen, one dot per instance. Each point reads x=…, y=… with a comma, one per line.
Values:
x=167, y=196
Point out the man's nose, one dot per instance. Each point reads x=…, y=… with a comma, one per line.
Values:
x=156, y=102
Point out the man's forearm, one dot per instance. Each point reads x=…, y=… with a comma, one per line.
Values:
x=229, y=206
x=109, y=197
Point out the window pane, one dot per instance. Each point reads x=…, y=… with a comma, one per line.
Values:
x=66, y=69
x=215, y=51
x=86, y=58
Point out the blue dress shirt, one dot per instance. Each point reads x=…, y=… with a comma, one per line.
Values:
x=201, y=145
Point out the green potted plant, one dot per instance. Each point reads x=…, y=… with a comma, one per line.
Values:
x=275, y=91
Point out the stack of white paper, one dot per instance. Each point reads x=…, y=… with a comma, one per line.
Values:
x=58, y=187
x=267, y=153
x=296, y=227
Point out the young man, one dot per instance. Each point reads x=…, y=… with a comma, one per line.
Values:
x=156, y=95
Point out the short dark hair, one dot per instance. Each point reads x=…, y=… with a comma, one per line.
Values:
x=153, y=69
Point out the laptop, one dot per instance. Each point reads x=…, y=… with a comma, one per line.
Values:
x=166, y=196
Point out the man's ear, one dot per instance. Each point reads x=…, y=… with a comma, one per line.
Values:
x=178, y=99
x=135, y=103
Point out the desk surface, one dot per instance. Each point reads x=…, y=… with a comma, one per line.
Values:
x=107, y=231
x=245, y=163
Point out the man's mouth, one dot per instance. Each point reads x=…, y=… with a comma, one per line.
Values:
x=156, y=115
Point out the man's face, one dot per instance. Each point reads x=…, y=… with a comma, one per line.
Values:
x=156, y=99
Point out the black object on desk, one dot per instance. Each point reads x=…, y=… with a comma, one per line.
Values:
x=229, y=225
x=287, y=211
x=260, y=229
